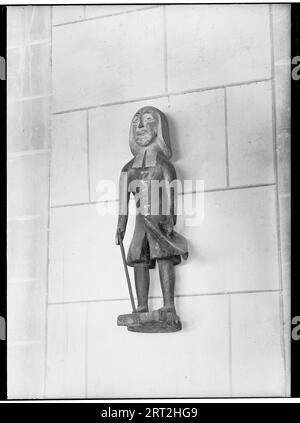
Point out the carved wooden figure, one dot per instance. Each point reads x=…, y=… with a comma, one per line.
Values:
x=151, y=178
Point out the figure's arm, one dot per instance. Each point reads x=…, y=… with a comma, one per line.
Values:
x=171, y=178
x=123, y=205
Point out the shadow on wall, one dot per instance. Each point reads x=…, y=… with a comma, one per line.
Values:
x=177, y=153
x=175, y=144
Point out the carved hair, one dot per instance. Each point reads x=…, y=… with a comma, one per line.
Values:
x=162, y=140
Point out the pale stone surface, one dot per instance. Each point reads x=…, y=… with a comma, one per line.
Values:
x=25, y=369
x=92, y=11
x=238, y=232
x=66, y=351
x=285, y=228
x=190, y=363
x=26, y=311
x=29, y=75
x=281, y=16
x=257, y=361
x=84, y=261
x=250, y=135
x=286, y=297
x=69, y=159
x=122, y=64
x=286, y=278
x=64, y=14
x=235, y=248
x=283, y=97
x=27, y=24
x=27, y=182
x=24, y=241
x=198, y=58
x=197, y=131
x=29, y=71
x=28, y=125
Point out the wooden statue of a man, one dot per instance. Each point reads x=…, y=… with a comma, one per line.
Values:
x=151, y=178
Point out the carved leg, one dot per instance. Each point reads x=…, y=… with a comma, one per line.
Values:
x=141, y=277
x=167, y=282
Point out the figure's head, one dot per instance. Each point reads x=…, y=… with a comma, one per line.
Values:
x=149, y=126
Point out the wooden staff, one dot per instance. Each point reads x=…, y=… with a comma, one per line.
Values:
x=126, y=271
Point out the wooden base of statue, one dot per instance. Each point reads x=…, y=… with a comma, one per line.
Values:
x=158, y=321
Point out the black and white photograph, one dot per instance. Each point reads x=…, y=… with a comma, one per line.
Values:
x=148, y=201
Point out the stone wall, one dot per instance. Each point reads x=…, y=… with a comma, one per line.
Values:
x=221, y=75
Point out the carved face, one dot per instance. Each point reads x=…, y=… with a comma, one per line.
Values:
x=144, y=126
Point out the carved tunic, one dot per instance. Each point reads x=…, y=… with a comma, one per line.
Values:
x=144, y=247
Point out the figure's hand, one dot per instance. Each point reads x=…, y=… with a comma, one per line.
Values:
x=168, y=227
x=120, y=233
x=121, y=228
